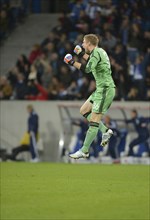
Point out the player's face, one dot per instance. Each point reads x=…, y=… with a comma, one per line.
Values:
x=29, y=109
x=86, y=45
x=133, y=114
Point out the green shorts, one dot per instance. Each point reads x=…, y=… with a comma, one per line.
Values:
x=102, y=99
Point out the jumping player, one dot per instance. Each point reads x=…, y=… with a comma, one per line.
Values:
x=99, y=101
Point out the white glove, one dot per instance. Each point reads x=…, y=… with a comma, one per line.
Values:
x=77, y=49
x=68, y=59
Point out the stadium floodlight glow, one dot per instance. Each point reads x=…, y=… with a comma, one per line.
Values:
x=61, y=142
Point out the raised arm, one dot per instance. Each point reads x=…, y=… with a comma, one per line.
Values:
x=68, y=59
x=80, y=52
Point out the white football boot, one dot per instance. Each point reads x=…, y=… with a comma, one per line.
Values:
x=106, y=137
x=35, y=160
x=79, y=154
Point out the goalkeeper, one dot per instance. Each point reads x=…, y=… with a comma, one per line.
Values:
x=99, y=101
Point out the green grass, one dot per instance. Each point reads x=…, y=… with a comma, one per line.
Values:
x=46, y=191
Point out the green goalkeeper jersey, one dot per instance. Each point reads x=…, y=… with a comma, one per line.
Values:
x=99, y=65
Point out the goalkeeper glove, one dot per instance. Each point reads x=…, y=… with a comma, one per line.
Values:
x=79, y=51
x=68, y=59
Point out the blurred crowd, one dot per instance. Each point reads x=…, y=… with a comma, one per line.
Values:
x=124, y=31
x=12, y=13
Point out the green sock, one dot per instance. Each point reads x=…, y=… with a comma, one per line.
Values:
x=102, y=127
x=90, y=136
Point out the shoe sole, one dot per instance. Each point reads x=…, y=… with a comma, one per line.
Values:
x=79, y=157
x=104, y=144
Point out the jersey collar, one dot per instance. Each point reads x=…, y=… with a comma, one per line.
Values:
x=93, y=50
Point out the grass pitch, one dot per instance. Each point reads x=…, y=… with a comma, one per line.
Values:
x=46, y=191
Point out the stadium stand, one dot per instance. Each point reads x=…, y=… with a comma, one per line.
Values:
x=124, y=31
x=12, y=14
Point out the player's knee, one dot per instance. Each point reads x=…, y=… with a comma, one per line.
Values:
x=96, y=117
x=82, y=111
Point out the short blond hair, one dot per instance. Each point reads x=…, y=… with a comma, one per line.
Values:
x=92, y=38
x=30, y=107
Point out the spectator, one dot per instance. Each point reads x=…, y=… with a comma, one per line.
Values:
x=3, y=24
x=33, y=127
x=35, y=53
x=50, y=48
x=51, y=38
x=65, y=23
x=65, y=77
x=119, y=78
x=124, y=30
x=119, y=54
x=21, y=63
x=78, y=6
x=47, y=75
x=12, y=13
x=109, y=41
x=16, y=10
x=137, y=74
x=141, y=127
x=5, y=88
x=78, y=39
x=12, y=76
x=23, y=147
x=29, y=140
x=54, y=62
x=146, y=41
x=61, y=45
x=41, y=94
x=133, y=95
x=20, y=89
x=121, y=26
x=97, y=23
x=135, y=37
x=91, y=9
x=83, y=87
x=54, y=88
x=33, y=73
x=52, y=93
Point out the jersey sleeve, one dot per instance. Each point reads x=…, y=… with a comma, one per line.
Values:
x=92, y=63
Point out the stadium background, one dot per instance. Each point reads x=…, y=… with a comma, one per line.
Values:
x=43, y=31
x=32, y=66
